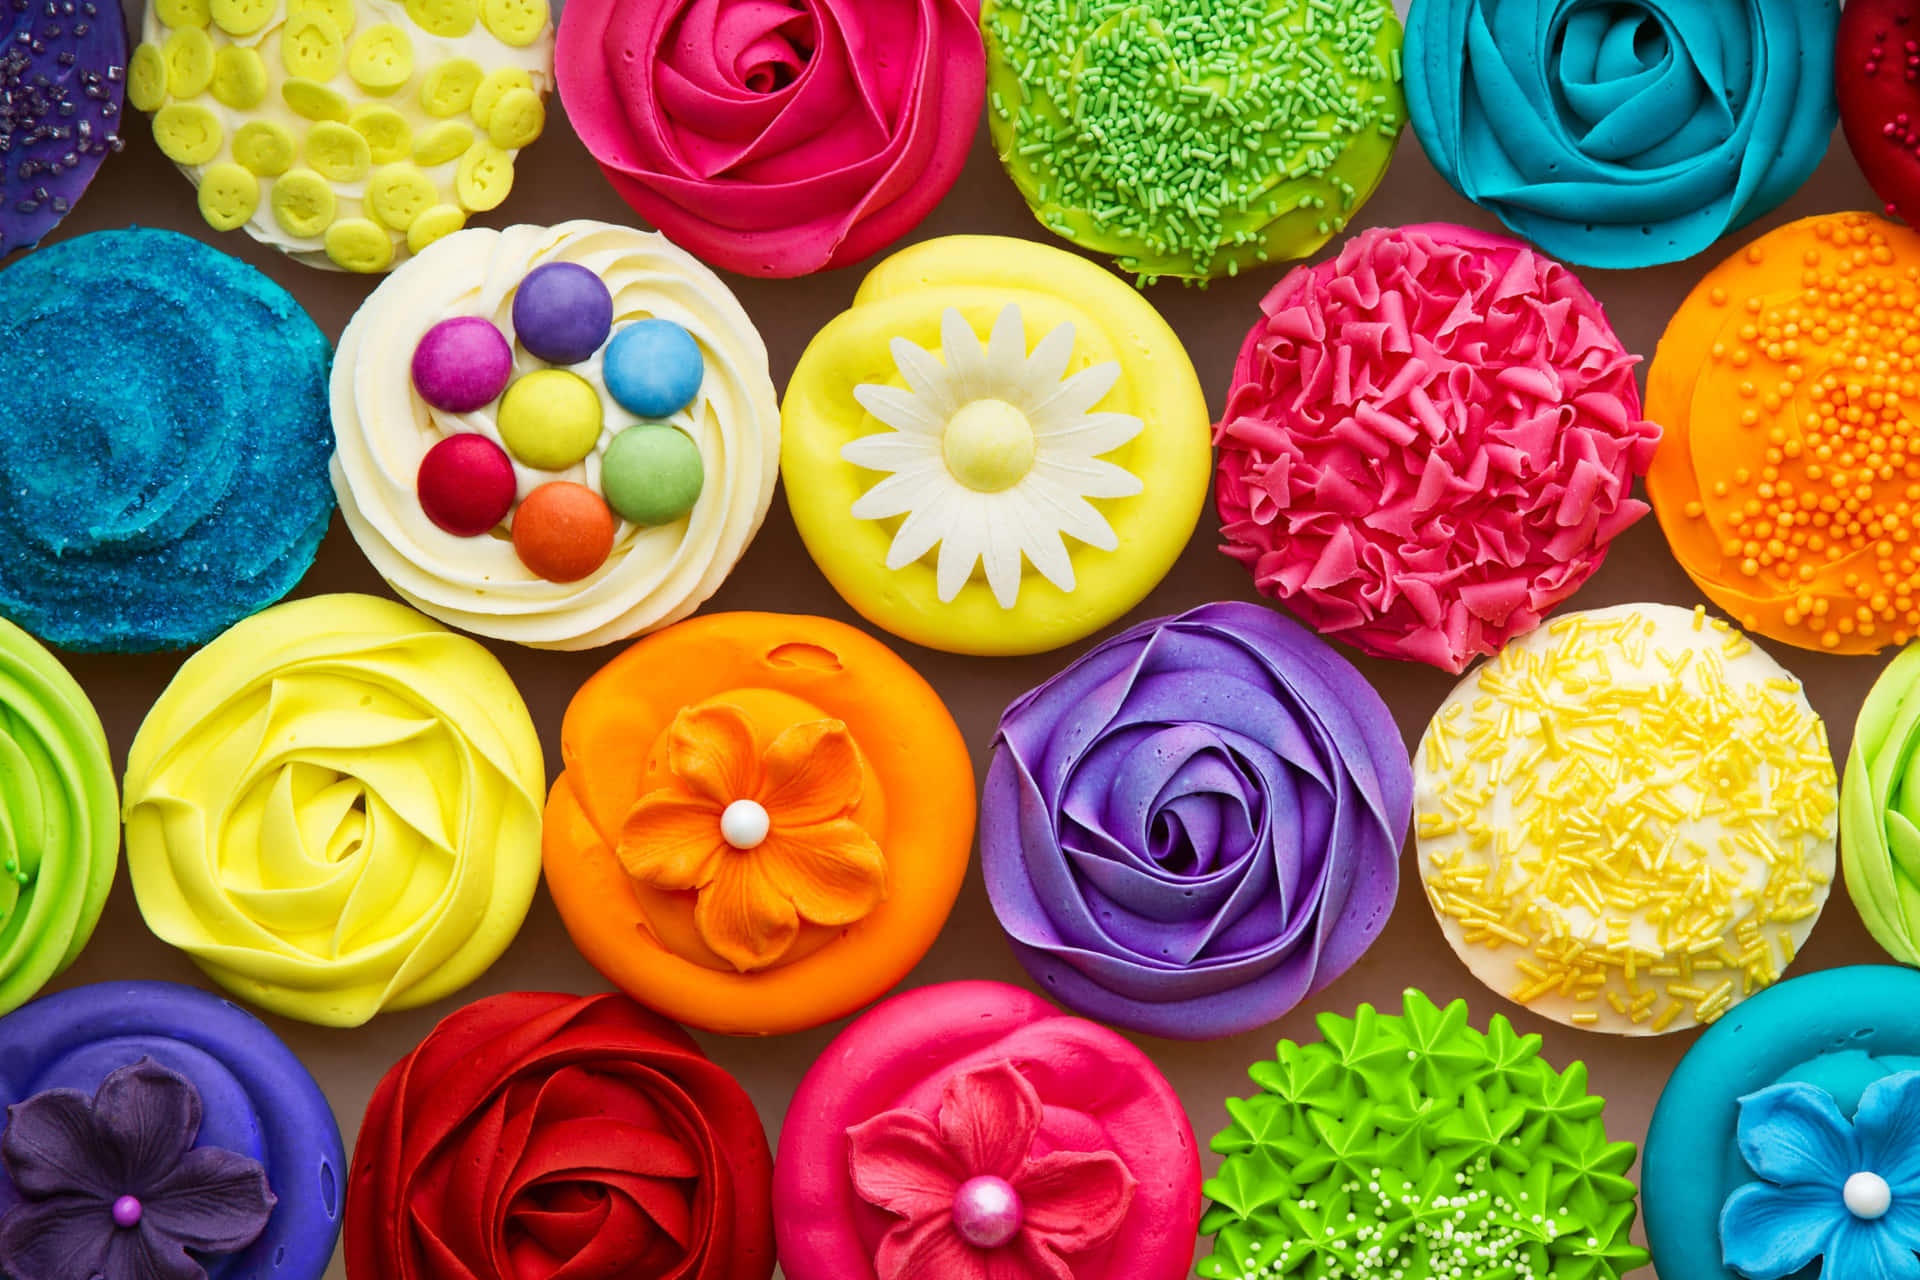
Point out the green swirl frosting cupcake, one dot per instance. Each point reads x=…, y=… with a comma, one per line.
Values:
x=1403, y=1147
x=59, y=818
x=1880, y=810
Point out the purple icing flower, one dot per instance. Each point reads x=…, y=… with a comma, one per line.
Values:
x=1196, y=825
x=115, y=1187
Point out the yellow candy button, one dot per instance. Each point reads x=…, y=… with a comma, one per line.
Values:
x=516, y=119
x=188, y=134
x=239, y=78
x=337, y=152
x=264, y=147
x=442, y=143
x=389, y=137
x=516, y=22
x=228, y=196
x=183, y=13
x=315, y=101
x=448, y=18
x=341, y=11
x=448, y=88
x=382, y=59
x=358, y=245
x=399, y=193
x=441, y=220
x=495, y=87
x=303, y=203
x=147, y=79
x=484, y=177
x=310, y=46
x=189, y=57
x=242, y=17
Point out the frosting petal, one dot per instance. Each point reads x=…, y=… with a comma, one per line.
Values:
x=1870, y=1251
x=1768, y=1232
x=44, y=1137
x=899, y=1161
x=1887, y=1125
x=53, y=1239
x=1794, y=1133
x=989, y=1119
x=148, y=1117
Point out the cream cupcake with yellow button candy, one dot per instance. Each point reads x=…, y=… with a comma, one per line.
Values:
x=346, y=133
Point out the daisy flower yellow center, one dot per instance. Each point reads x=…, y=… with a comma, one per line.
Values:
x=988, y=446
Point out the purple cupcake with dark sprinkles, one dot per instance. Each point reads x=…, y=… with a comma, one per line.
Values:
x=63, y=79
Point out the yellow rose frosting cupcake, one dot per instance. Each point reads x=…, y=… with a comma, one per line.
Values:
x=999, y=449
x=334, y=809
x=346, y=133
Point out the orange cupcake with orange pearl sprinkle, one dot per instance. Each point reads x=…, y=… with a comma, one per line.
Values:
x=1788, y=480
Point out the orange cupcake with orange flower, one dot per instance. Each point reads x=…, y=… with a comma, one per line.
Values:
x=763, y=823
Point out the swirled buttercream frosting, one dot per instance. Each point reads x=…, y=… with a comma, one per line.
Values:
x=1429, y=443
x=1623, y=135
x=1880, y=809
x=971, y=1131
x=62, y=83
x=537, y=1134
x=163, y=442
x=1197, y=824
x=503, y=459
x=776, y=139
x=334, y=809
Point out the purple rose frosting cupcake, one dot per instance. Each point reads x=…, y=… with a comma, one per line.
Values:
x=1197, y=825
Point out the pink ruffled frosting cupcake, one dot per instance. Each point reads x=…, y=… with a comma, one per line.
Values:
x=1430, y=442
x=775, y=137
x=972, y=1131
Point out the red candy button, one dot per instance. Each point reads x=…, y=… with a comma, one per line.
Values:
x=563, y=531
x=466, y=484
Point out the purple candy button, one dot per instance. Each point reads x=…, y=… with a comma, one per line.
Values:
x=63, y=72
x=462, y=364
x=562, y=312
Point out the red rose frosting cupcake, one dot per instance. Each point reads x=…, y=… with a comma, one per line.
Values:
x=776, y=139
x=535, y=1134
x=972, y=1131
x=1877, y=73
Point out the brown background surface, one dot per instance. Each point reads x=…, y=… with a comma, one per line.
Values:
x=556, y=181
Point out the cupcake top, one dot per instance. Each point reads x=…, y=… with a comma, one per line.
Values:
x=1880, y=809
x=1196, y=825
x=1192, y=140
x=62, y=82
x=560, y=436
x=1626, y=821
x=999, y=449
x=59, y=818
x=334, y=809
x=1782, y=481
x=1876, y=75
x=1623, y=135
x=130, y=531
x=969, y=1131
x=144, y=1119
x=536, y=1134
x=1411, y=1146
x=1429, y=443
x=776, y=140
x=763, y=822
x=348, y=134
x=1782, y=1145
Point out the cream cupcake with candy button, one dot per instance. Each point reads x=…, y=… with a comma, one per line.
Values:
x=349, y=134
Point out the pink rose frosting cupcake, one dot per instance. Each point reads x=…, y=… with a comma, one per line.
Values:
x=775, y=139
x=1430, y=442
x=972, y=1131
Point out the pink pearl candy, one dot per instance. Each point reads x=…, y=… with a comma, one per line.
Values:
x=126, y=1212
x=987, y=1212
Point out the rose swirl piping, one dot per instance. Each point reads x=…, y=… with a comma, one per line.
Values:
x=1880, y=809
x=1197, y=824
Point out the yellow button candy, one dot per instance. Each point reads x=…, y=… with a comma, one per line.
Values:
x=450, y=18
x=189, y=58
x=303, y=203
x=359, y=245
x=381, y=60
x=338, y=152
x=484, y=177
x=242, y=17
x=239, y=78
x=188, y=133
x=398, y=194
x=389, y=136
x=228, y=196
x=264, y=147
x=310, y=46
x=183, y=13
x=315, y=101
x=441, y=220
x=516, y=22
x=495, y=87
x=442, y=143
x=516, y=119
x=448, y=88
x=340, y=11
x=147, y=79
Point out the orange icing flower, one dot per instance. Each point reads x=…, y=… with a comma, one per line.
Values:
x=763, y=836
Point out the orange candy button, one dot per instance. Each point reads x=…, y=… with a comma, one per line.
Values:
x=763, y=824
x=563, y=531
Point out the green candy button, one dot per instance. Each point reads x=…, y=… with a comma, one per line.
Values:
x=651, y=474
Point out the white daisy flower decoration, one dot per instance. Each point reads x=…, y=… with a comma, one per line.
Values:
x=994, y=454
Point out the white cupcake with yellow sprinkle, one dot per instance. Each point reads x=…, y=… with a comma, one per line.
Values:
x=1626, y=821
x=349, y=134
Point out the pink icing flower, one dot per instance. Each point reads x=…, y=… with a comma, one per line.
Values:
x=1429, y=443
x=975, y=1203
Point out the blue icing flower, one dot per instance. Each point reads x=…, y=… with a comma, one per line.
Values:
x=1845, y=1192
x=1629, y=132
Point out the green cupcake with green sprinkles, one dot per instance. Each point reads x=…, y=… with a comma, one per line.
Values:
x=1194, y=138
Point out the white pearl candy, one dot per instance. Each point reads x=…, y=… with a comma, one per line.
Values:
x=744, y=824
x=1867, y=1195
